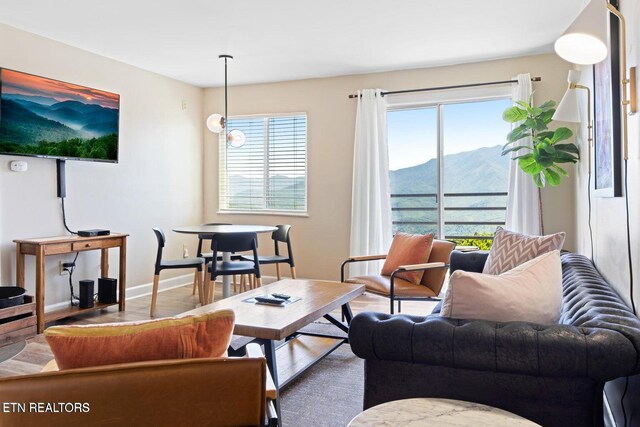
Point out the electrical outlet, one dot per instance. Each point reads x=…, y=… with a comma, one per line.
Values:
x=185, y=251
x=61, y=268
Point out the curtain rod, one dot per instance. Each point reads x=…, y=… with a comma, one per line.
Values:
x=394, y=92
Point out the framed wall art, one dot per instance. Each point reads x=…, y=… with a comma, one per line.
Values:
x=607, y=143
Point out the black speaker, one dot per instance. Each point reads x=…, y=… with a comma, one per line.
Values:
x=86, y=293
x=107, y=290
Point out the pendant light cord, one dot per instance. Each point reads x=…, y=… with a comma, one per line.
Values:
x=226, y=118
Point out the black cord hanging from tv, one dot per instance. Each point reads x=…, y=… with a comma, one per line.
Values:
x=62, y=190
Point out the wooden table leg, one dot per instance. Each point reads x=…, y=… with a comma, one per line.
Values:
x=19, y=266
x=104, y=262
x=40, y=287
x=123, y=273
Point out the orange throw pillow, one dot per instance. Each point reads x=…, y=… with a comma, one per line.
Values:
x=204, y=335
x=408, y=249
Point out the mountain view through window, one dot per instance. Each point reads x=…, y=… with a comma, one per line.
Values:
x=458, y=162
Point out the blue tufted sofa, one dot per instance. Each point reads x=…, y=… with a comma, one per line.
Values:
x=553, y=375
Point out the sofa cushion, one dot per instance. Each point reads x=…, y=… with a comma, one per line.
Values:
x=531, y=292
x=381, y=285
x=510, y=249
x=407, y=249
x=79, y=346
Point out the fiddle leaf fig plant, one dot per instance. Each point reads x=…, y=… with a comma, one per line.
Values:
x=542, y=159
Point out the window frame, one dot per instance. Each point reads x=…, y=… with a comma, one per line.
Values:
x=222, y=170
x=438, y=100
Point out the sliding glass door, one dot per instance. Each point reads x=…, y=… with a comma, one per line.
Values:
x=447, y=174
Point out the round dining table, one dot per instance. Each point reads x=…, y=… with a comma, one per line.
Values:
x=226, y=256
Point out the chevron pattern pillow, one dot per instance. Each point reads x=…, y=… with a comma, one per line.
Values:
x=510, y=249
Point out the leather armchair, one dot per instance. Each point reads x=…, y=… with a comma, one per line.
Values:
x=191, y=392
x=397, y=289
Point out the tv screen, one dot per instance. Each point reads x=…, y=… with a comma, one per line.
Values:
x=43, y=117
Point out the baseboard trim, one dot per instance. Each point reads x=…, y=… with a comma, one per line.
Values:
x=140, y=290
x=146, y=289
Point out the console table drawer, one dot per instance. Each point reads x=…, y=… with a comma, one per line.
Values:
x=58, y=248
x=84, y=246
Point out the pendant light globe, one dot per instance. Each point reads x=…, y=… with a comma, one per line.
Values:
x=215, y=123
x=236, y=138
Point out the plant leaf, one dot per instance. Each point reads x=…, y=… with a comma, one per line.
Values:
x=518, y=133
x=545, y=134
x=519, y=147
x=547, y=116
x=552, y=177
x=564, y=157
x=561, y=134
x=537, y=179
x=514, y=114
x=548, y=105
x=529, y=164
x=569, y=148
x=560, y=170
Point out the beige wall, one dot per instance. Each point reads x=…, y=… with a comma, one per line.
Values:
x=158, y=181
x=608, y=214
x=321, y=241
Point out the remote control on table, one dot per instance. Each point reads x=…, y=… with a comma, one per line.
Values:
x=281, y=296
x=269, y=300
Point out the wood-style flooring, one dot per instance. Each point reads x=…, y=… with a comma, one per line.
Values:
x=169, y=303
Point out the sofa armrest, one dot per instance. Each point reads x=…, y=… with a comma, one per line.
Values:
x=418, y=267
x=468, y=261
x=512, y=347
x=366, y=258
x=362, y=258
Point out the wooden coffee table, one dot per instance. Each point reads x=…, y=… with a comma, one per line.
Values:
x=269, y=324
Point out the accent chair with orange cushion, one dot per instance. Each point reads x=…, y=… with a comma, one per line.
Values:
x=415, y=269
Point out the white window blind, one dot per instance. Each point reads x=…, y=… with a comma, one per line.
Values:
x=269, y=172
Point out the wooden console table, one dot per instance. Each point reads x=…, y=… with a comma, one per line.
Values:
x=42, y=247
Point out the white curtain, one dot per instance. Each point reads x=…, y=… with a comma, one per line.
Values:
x=523, y=202
x=371, y=203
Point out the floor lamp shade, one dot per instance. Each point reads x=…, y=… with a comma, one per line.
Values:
x=584, y=42
x=567, y=110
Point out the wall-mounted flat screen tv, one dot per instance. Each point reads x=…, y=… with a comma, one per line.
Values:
x=43, y=117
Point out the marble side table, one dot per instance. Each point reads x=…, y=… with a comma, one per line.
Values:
x=437, y=412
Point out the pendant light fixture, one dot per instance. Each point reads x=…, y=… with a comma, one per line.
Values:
x=217, y=123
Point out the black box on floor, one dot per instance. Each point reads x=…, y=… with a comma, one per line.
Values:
x=86, y=293
x=107, y=290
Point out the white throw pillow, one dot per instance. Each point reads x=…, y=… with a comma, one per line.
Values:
x=531, y=292
x=510, y=249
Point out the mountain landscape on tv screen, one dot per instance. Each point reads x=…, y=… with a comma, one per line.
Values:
x=61, y=125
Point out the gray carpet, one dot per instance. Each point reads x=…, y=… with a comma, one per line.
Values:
x=329, y=394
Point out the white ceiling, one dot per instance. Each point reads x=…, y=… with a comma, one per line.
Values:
x=280, y=40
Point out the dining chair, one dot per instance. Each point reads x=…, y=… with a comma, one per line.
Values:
x=161, y=264
x=231, y=242
x=281, y=235
x=207, y=256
